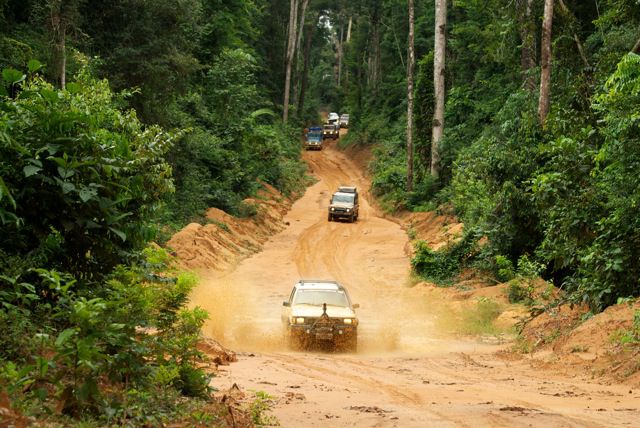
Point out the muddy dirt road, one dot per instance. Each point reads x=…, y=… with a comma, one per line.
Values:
x=406, y=373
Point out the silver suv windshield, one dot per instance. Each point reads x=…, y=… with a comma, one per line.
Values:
x=318, y=297
x=342, y=198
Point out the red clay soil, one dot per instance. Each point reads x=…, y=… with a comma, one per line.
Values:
x=227, y=239
x=568, y=340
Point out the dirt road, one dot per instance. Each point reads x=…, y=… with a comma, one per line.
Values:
x=406, y=373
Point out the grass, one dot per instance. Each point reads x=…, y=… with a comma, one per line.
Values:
x=477, y=320
x=579, y=349
x=259, y=407
x=220, y=224
x=522, y=345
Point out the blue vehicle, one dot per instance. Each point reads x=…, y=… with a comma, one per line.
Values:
x=313, y=139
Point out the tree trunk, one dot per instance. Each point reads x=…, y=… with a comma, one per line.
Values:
x=410, y=67
x=340, y=53
x=636, y=48
x=305, y=72
x=545, y=63
x=63, y=61
x=571, y=16
x=349, y=29
x=58, y=32
x=374, y=54
x=303, y=12
x=291, y=46
x=438, y=84
x=528, y=38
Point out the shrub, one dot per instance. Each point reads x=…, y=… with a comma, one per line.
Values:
x=442, y=265
x=78, y=178
x=504, y=267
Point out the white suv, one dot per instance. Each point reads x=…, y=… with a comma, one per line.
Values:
x=333, y=118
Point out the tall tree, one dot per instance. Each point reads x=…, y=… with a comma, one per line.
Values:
x=438, y=84
x=62, y=16
x=298, y=74
x=411, y=60
x=528, y=40
x=305, y=69
x=544, y=101
x=291, y=47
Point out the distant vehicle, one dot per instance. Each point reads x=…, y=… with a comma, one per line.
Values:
x=320, y=312
x=333, y=118
x=344, y=204
x=344, y=121
x=313, y=139
x=331, y=131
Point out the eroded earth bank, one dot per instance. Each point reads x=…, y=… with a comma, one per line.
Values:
x=408, y=372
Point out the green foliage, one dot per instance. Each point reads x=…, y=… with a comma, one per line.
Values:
x=504, y=267
x=491, y=187
x=130, y=330
x=631, y=335
x=80, y=182
x=232, y=143
x=479, y=320
x=588, y=192
x=258, y=409
x=81, y=178
x=440, y=266
x=520, y=292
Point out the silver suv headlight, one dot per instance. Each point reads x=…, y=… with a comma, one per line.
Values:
x=296, y=320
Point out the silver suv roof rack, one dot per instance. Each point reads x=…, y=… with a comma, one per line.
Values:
x=347, y=189
x=307, y=281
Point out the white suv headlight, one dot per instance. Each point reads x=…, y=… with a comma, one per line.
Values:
x=348, y=320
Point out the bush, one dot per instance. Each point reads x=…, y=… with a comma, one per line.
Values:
x=504, y=268
x=92, y=323
x=78, y=178
x=442, y=265
x=479, y=320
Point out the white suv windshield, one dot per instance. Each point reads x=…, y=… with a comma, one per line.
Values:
x=318, y=297
x=342, y=198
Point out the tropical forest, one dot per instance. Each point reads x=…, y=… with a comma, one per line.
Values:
x=462, y=247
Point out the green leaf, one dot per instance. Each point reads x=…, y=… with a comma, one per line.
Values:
x=68, y=187
x=30, y=170
x=87, y=193
x=12, y=76
x=4, y=191
x=64, y=336
x=262, y=112
x=73, y=88
x=120, y=233
x=65, y=172
x=34, y=65
x=49, y=95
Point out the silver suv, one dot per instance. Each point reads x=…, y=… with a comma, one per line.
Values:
x=320, y=312
x=344, y=204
